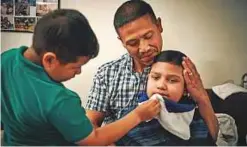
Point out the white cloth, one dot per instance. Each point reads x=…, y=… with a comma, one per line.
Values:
x=225, y=90
x=227, y=135
x=176, y=123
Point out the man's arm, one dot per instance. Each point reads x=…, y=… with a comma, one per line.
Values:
x=207, y=113
x=198, y=93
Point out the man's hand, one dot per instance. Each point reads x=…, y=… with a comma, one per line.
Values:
x=148, y=109
x=193, y=81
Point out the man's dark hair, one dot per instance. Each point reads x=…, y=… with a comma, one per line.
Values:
x=130, y=11
x=67, y=33
x=170, y=56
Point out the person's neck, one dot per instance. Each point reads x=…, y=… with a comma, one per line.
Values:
x=31, y=55
x=138, y=67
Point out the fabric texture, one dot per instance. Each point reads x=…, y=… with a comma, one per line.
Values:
x=225, y=90
x=228, y=134
x=175, y=117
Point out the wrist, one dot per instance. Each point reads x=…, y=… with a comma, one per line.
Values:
x=137, y=116
x=203, y=100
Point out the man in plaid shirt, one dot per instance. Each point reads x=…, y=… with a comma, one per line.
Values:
x=118, y=83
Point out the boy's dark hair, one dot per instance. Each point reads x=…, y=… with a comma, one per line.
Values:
x=67, y=33
x=170, y=56
x=130, y=11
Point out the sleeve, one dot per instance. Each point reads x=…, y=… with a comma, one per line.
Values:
x=70, y=119
x=98, y=96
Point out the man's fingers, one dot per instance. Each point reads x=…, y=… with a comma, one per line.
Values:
x=186, y=67
x=190, y=65
x=187, y=77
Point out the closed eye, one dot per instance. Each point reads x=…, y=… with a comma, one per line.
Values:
x=133, y=42
x=148, y=35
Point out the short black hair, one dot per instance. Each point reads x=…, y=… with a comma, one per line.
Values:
x=130, y=11
x=170, y=56
x=67, y=33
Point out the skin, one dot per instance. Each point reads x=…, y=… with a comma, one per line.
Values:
x=167, y=80
x=142, y=39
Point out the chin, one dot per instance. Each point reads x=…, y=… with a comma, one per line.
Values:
x=148, y=63
x=64, y=80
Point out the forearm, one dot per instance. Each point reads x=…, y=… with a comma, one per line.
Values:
x=207, y=113
x=110, y=133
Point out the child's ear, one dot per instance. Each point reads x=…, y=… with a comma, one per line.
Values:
x=186, y=94
x=49, y=60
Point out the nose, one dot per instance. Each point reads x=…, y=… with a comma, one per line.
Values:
x=78, y=71
x=162, y=85
x=143, y=46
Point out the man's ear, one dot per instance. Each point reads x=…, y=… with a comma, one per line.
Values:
x=118, y=37
x=49, y=60
x=159, y=25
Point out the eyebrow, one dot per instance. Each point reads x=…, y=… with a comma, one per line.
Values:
x=152, y=72
x=172, y=75
x=128, y=41
x=169, y=75
x=150, y=31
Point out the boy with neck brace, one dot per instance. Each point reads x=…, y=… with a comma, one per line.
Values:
x=182, y=116
x=166, y=82
x=179, y=123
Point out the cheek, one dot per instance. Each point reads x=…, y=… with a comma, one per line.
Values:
x=176, y=92
x=67, y=74
x=133, y=51
x=157, y=41
x=150, y=88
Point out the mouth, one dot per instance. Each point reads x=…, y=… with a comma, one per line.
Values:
x=148, y=57
x=163, y=94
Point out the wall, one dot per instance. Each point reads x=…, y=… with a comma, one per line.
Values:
x=213, y=33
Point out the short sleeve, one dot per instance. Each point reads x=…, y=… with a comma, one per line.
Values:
x=70, y=119
x=98, y=97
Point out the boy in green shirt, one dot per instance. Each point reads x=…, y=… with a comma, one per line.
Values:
x=36, y=108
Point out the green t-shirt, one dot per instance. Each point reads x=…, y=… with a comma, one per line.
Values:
x=35, y=109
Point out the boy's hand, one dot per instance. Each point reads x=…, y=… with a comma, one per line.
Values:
x=148, y=109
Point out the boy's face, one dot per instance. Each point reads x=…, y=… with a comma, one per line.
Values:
x=142, y=38
x=167, y=80
x=62, y=72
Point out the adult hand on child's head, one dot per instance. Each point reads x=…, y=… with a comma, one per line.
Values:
x=148, y=110
x=193, y=81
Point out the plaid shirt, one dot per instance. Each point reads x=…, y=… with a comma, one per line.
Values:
x=115, y=92
x=116, y=87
